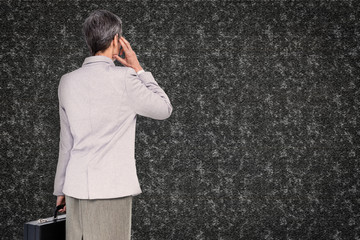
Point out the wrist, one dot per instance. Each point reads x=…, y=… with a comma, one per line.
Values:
x=138, y=68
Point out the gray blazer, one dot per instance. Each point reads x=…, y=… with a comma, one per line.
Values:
x=98, y=104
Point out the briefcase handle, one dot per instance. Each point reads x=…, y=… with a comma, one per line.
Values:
x=57, y=209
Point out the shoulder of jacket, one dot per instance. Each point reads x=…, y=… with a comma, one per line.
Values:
x=71, y=74
x=64, y=78
x=124, y=69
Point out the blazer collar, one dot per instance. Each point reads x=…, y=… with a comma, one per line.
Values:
x=98, y=58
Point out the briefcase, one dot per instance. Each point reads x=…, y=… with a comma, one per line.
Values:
x=52, y=228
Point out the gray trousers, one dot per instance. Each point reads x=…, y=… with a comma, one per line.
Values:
x=99, y=219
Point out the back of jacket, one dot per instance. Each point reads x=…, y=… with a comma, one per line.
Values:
x=98, y=104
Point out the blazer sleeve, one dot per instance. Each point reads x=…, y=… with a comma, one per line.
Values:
x=146, y=97
x=65, y=146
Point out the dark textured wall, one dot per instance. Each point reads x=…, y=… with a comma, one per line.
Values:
x=263, y=142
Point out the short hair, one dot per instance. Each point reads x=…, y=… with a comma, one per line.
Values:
x=100, y=28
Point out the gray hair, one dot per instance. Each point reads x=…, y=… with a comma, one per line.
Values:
x=100, y=28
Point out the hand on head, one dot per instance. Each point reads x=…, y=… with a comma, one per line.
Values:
x=130, y=59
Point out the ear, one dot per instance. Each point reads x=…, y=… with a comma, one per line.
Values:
x=115, y=40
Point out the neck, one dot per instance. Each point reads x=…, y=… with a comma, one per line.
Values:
x=107, y=53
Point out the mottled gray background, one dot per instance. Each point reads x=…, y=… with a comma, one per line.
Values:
x=263, y=142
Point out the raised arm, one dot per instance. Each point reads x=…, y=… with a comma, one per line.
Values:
x=145, y=95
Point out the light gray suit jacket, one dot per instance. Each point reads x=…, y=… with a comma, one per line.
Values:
x=98, y=104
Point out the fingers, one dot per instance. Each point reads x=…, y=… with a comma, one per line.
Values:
x=62, y=210
x=59, y=201
x=124, y=45
x=126, y=42
x=130, y=59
